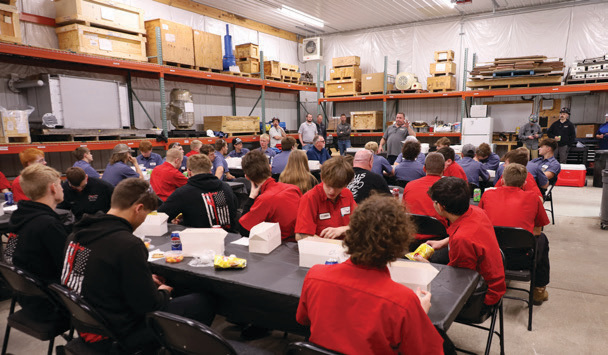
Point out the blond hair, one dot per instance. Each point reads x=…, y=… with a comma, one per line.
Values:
x=199, y=164
x=515, y=175
x=373, y=146
x=195, y=144
x=296, y=171
x=35, y=180
x=173, y=154
x=265, y=136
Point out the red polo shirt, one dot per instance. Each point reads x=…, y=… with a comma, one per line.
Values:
x=473, y=245
x=360, y=310
x=510, y=206
x=277, y=203
x=317, y=212
x=455, y=170
x=165, y=179
x=529, y=186
x=4, y=183
x=18, y=193
x=417, y=201
x=191, y=153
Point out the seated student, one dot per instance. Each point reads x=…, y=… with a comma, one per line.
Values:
x=451, y=168
x=36, y=234
x=409, y=169
x=547, y=162
x=365, y=181
x=420, y=158
x=195, y=147
x=166, y=177
x=377, y=315
x=264, y=148
x=29, y=156
x=445, y=142
x=381, y=166
x=182, y=168
x=146, y=158
x=280, y=160
x=204, y=201
x=472, y=168
x=85, y=194
x=108, y=266
x=318, y=151
x=83, y=160
x=5, y=185
x=221, y=148
x=238, y=151
x=510, y=206
x=117, y=168
x=519, y=156
x=484, y=155
x=297, y=172
x=269, y=201
x=472, y=242
x=325, y=210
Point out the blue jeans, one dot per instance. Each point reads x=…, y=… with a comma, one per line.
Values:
x=343, y=145
x=307, y=147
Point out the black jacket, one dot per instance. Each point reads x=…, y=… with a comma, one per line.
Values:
x=364, y=182
x=204, y=201
x=108, y=266
x=95, y=197
x=564, y=130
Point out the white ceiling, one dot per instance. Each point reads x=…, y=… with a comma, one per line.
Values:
x=349, y=15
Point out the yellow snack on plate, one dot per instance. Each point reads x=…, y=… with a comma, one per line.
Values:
x=229, y=262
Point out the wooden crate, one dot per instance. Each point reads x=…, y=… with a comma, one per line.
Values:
x=176, y=40
x=207, y=50
x=441, y=83
x=366, y=120
x=247, y=50
x=443, y=68
x=249, y=66
x=100, y=13
x=10, y=30
x=349, y=61
x=14, y=127
x=290, y=74
x=291, y=67
x=233, y=124
x=348, y=87
x=374, y=83
x=272, y=69
x=353, y=72
x=447, y=55
x=96, y=41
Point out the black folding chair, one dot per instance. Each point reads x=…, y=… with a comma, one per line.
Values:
x=24, y=284
x=428, y=225
x=519, y=243
x=307, y=348
x=548, y=197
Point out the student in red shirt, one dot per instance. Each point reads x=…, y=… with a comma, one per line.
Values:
x=166, y=177
x=354, y=307
x=269, y=201
x=5, y=185
x=472, y=241
x=29, y=156
x=451, y=167
x=325, y=210
x=195, y=147
x=510, y=206
x=519, y=156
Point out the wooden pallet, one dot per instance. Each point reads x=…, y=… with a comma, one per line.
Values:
x=442, y=90
x=244, y=59
x=82, y=135
x=234, y=134
x=275, y=78
x=289, y=79
x=289, y=67
x=210, y=70
x=371, y=93
x=515, y=82
x=365, y=130
x=587, y=81
x=307, y=83
x=415, y=91
x=351, y=94
x=246, y=75
x=179, y=65
x=15, y=139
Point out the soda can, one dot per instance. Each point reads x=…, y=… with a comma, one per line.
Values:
x=395, y=193
x=176, y=242
x=477, y=195
x=8, y=197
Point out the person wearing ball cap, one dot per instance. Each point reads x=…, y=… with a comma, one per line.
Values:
x=564, y=133
x=238, y=151
x=529, y=135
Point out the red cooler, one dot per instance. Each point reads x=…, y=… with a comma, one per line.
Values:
x=572, y=175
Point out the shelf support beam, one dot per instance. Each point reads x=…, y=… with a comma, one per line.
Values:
x=233, y=97
x=384, y=118
x=397, y=101
x=161, y=84
x=130, y=97
x=263, y=91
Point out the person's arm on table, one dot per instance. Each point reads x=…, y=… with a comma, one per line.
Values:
x=171, y=208
x=425, y=299
x=333, y=232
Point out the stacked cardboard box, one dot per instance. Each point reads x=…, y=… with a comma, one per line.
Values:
x=442, y=71
x=345, y=77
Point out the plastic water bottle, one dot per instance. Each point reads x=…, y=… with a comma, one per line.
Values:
x=176, y=242
x=333, y=259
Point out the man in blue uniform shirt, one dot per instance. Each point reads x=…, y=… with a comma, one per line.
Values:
x=280, y=160
x=318, y=151
x=148, y=159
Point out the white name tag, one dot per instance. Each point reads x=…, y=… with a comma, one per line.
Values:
x=152, y=164
x=324, y=216
x=344, y=211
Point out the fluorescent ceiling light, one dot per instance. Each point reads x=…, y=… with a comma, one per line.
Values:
x=301, y=16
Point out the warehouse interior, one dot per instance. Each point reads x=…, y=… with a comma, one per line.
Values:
x=83, y=88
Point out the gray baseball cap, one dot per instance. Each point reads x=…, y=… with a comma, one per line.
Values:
x=121, y=148
x=468, y=148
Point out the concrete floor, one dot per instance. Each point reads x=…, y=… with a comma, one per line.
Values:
x=573, y=321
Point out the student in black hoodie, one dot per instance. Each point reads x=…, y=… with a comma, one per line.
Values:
x=108, y=266
x=37, y=236
x=204, y=201
x=85, y=194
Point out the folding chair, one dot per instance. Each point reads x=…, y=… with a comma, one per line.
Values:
x=522, y=244
x=548, y=197
x=24, y=284
x=428, y=225
x=307, y=348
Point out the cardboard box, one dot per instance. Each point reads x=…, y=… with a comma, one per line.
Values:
x=572, y=175
x=207, y=50
x=375, y=82
x=479, y=111
x=155, y=225
x=247, y=50
x=264, y=238
x=196, y=240
x=586, y=130
x=349, y=61
x=345, y=73
x=366, y=120
x=176, y=40
x=413, y=274
x=315, y=250
x=102, y=13
x=443, y=68
x=447, y=55
x=438, y=83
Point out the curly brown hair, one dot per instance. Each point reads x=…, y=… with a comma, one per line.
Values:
x=380, y=232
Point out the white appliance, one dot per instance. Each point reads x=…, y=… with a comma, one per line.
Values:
x=312, y=49
x=477, y=130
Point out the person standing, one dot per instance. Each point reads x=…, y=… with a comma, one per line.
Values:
x=529, y=134
x=602, y=134
x=564, y=133
x=83, y=160
x=148, y=159
x=343, y=131
x=306, y=132
x=394, y=135
x=276, y=132
x=321, y=128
